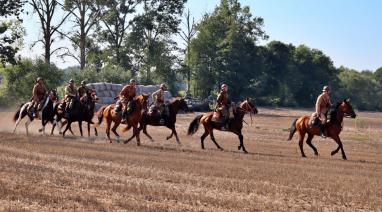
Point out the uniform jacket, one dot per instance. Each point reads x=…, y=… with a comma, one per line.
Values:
x=323, y=104
x=38, y=92
x=128, y=92
x=222, y=100
x=159, y=96
x=83, y=90
x=70, y=91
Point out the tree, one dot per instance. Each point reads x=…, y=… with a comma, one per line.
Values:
x=47, y=11
x=150, y=41
x=224, y=49
x=113, y=27
x=9, y=8
x=378, y=76
x=186, y=36
x=86, y=14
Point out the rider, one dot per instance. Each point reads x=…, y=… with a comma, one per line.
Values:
x=126, y=97
x=71, y=95
x=323, y=105
x=223, y=104
x=83, y=90
x=38, y=94
x=159, y=99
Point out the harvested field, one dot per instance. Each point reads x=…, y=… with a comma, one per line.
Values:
x=51, y=173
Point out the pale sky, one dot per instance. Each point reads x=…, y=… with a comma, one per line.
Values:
x=349, y=31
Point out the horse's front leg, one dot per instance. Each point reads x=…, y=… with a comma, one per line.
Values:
x=146, y=133
x=80, y=126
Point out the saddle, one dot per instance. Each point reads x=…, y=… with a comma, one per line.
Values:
x=218, y=117
x=314, y=120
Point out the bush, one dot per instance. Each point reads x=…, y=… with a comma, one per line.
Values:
x=19, y=79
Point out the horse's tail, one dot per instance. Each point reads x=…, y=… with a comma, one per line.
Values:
x=17, y=113
x=292, y=130
x=100, y=115
x=127, y=128
x=194, y=126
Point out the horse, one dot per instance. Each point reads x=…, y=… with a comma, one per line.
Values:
x=108, y=112
x=154, y=119
x=235, y=125
x=88, y=102
x=334, y=128
x=46, y=113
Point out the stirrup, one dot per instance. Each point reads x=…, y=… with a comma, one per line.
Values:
x=161, y=121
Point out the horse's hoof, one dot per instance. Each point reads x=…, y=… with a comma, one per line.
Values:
x=60, y=133
x=316, y=153
x=138, y=144
x=40, y=130
x=152, y=140
x=332, y=153
x=221, y=149
x=245, y=152
x=304, y=156
x=344, y=158
x=238, y=147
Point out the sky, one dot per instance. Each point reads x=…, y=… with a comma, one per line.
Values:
x=348, y=31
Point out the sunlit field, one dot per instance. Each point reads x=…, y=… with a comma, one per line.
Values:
x=54, y=173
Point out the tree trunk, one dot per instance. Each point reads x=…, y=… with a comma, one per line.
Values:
x=82, y=38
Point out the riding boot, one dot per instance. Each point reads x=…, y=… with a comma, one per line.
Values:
x=34, y=112
x=322, y=130
x=124, y=117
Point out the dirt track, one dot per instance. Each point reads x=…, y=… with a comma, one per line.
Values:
x=52, y=173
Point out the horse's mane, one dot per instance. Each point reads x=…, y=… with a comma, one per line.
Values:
x=333, y=111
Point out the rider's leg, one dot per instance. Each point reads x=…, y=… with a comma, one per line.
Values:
x=322, y=125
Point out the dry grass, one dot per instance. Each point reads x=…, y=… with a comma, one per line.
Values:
x=50, y=173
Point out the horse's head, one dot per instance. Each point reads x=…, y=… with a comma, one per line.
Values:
x=53, y=95
x=143, y=100
x=180, y=103
x=346, y=108
x=93, y=95
x=249, y=106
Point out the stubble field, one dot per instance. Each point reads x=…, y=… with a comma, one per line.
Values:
x=51, y=173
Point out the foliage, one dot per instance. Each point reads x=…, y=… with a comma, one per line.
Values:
x=109, y=73
x=224, y=48
x=8, y=33
x=19, y=79
x=364, y=92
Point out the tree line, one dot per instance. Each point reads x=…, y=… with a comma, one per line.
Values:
x=114, y=40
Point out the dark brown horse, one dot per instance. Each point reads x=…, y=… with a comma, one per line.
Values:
x=154, y=119
x=108, y=112
x=235, y=125
x=83, y=110
x=88, y=103
x=334, y=128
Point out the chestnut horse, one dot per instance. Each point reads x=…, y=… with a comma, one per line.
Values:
x=154, y=119
x=333, y=128
x=235, y=125
x=108, y=112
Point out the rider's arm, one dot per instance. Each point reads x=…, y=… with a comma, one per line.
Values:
x=318, y=104
x=154, y=95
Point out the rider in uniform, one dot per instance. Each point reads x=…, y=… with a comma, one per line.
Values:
x=83, y=89
x=38, y=94
x=223, y=105
x=71, y=95
x=323, y=105
x=159, y=99
x=126, y=97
